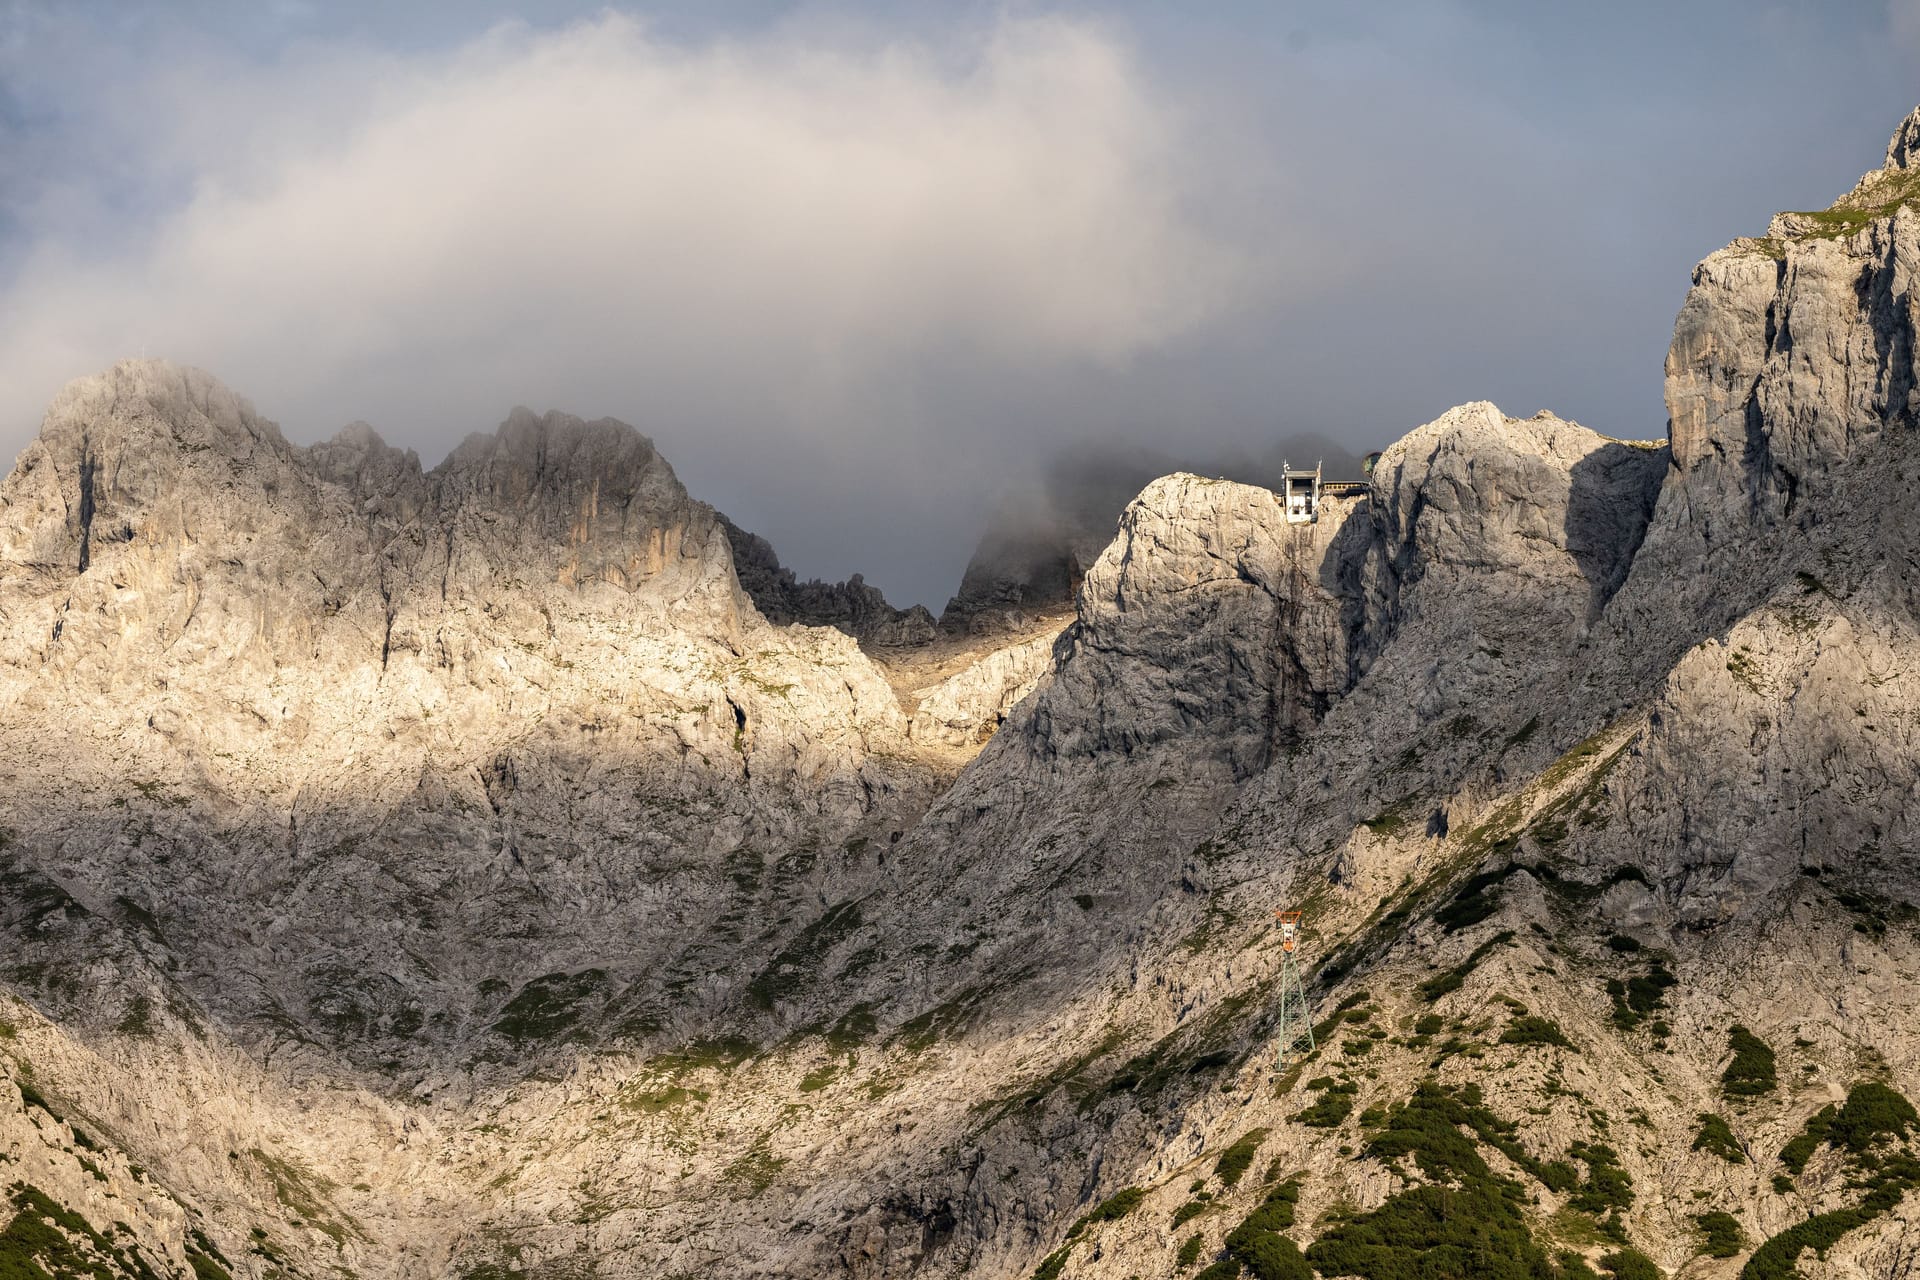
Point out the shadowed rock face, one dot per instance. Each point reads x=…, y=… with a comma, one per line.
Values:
x=466, y=872
x=851, y=606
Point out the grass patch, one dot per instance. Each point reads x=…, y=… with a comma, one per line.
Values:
x=752, y=1173
x=803, y=958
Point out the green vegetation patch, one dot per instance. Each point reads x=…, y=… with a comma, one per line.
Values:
x=657, y=1101
x=1190, y=1251
x=204, y=1256
x=32, y=1097
x=1474, y=900
x=854, y=1028
x=802, y=958
x=1534, y=1029
x=546, y=1010
x=1112, y=1209
x=1464, y=1220
x=1584, y=806
x=753, y=1172
x=1872, y=914
x=1751, y=1073
x=306, y=1193
x=46, y=1241
x=1855, y=210
x=1716, y=1136
x=951, y=1016
x=1631, y=1264
x=1720, y=1234
x=719, y=1053
x=1334, y=1104
x=1051, y=1265
x=1872, y=1127
x=1639, y=997
x=1607, y=1189
x=1258, y=1245
x=1452, y=980
x=1872, y=1112
x=1238, y=1158
x=1394, y=819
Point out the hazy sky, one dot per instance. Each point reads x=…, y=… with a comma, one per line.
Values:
x=858, y=268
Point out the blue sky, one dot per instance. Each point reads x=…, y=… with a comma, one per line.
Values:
x=860, y=270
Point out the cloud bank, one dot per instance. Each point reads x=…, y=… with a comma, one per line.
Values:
x=780, y=243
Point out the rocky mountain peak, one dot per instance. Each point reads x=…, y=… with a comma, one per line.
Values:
x=1904, y=149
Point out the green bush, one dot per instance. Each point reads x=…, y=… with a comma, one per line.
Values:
x=1574, y=1267
x=1269, y=1255
x=1608, y=1185
x=1639, y=996
x=1188, y=1212
x=1463, y=1221
x=1275, y=1213
x=1236, y=1159
x=1189, y=1252
x=1775, y=1259
x=1716, y=1136
x=1722, y=1233
x=1430, y=1024
x=1225, y=1269
x=1474, y=901
x=1751, y=1073
x=1051, y=1265
x=1800, y=1150
x=1533, y=1029
x=1334, y=1105
x=1112, y=1209
x=1441, y=984
x=1631, y=1264
x=1872, y=1111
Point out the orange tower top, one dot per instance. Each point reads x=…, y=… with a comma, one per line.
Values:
x=1289, y=929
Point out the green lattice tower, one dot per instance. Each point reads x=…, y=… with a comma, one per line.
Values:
x=1296, y=1020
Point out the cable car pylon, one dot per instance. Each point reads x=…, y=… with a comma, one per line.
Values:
x=1296, y=1022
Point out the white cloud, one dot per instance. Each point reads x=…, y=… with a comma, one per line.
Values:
x=781, y=234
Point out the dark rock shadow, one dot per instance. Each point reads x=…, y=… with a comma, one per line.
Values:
x=1609, y=505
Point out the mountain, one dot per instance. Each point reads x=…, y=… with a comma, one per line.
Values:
x=509, y=869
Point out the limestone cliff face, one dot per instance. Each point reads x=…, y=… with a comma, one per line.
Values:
x=454, y=873
x=1208, y=620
